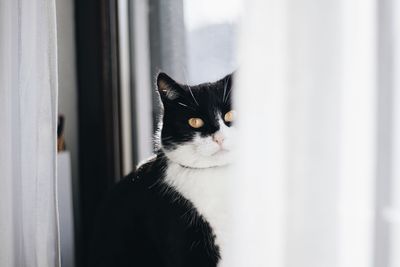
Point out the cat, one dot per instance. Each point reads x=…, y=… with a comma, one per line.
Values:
x=171, y=211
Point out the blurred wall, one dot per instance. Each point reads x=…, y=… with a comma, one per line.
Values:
x=67, y=92
x=68, y=106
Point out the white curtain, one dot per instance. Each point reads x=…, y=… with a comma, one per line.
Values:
x=391, y=214
x=305, y=192
x=28, y=120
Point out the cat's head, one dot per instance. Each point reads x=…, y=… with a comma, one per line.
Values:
x=197, y=125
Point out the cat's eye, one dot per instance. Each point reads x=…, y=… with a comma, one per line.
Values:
x=196, y=122
x=230, y=116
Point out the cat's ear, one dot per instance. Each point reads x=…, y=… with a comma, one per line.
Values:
x=167, y=87
x=229, y=78
x=228, y=82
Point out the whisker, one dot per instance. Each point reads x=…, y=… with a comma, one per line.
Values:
x=225, y=86
x=190, y=90
x=183, y=104
x=186, y=106
x=227, y=96
x=187, y=83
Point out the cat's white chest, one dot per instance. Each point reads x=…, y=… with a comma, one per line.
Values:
x=207, y=190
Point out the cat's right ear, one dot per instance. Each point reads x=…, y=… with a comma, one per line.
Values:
x=167, y=87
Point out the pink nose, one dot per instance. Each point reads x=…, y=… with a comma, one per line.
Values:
x=218, y=138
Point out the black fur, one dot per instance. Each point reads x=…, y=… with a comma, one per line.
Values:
x=144, y=222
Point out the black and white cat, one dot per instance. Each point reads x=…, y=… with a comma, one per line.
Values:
x=172, y=210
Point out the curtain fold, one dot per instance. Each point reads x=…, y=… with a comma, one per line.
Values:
x=28, y=122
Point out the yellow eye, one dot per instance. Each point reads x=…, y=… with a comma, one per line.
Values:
x=196, y=122
x=230, y=116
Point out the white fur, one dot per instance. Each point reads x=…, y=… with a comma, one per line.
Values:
x=206, y=188
x=203, y=152
x=200, y=171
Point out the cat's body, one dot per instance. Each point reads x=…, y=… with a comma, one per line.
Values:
x=172, y=210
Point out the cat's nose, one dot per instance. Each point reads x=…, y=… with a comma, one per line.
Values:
x=218, y=138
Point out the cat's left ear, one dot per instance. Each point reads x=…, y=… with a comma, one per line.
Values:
x=168, y=88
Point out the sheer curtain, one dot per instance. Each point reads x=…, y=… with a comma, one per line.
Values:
x=28, y=122
x=305, y=193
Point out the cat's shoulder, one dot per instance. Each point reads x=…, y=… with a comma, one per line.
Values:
x=146, y=167
x=145, y=175
x=137, y=186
